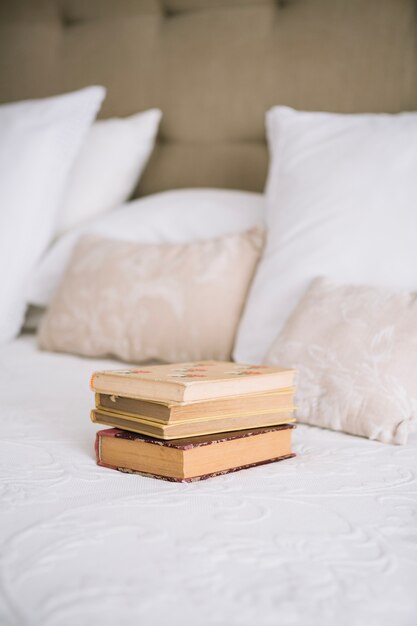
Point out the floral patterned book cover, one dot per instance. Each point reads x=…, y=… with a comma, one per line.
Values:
x=187, y=382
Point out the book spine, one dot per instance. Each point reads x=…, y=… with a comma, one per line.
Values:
x=97, y=449
x=173, y=391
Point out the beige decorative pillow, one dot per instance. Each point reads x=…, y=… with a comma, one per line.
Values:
x=356, y=352
x=169, y=302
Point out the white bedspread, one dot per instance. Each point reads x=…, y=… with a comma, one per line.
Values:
x=327, y=538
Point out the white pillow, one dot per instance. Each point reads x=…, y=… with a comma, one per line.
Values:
x=108, y=167
x=341, y=202
x=39, y=140
x=168, y=217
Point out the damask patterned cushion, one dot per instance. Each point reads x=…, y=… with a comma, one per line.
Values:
x=355, y=348
x=169, y=302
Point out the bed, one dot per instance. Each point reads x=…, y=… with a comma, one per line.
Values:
x=329, y=537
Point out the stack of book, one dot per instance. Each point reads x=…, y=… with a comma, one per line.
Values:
x=189, y=421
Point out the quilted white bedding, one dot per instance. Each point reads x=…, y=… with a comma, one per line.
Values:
x=327, y=538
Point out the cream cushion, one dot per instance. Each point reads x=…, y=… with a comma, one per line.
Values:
x=176, y=216
x=172, y=302
x=355, y=348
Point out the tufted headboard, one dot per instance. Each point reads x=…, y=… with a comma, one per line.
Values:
x=214, y=67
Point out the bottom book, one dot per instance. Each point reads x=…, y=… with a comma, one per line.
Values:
x=194, y=458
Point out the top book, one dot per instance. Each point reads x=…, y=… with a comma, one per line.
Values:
x=191, y=382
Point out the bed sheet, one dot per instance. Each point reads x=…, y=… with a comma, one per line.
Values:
x=329, y=537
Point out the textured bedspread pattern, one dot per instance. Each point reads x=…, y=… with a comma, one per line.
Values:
x=329, y=537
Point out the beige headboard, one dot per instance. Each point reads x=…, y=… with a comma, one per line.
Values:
x=214, y=67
